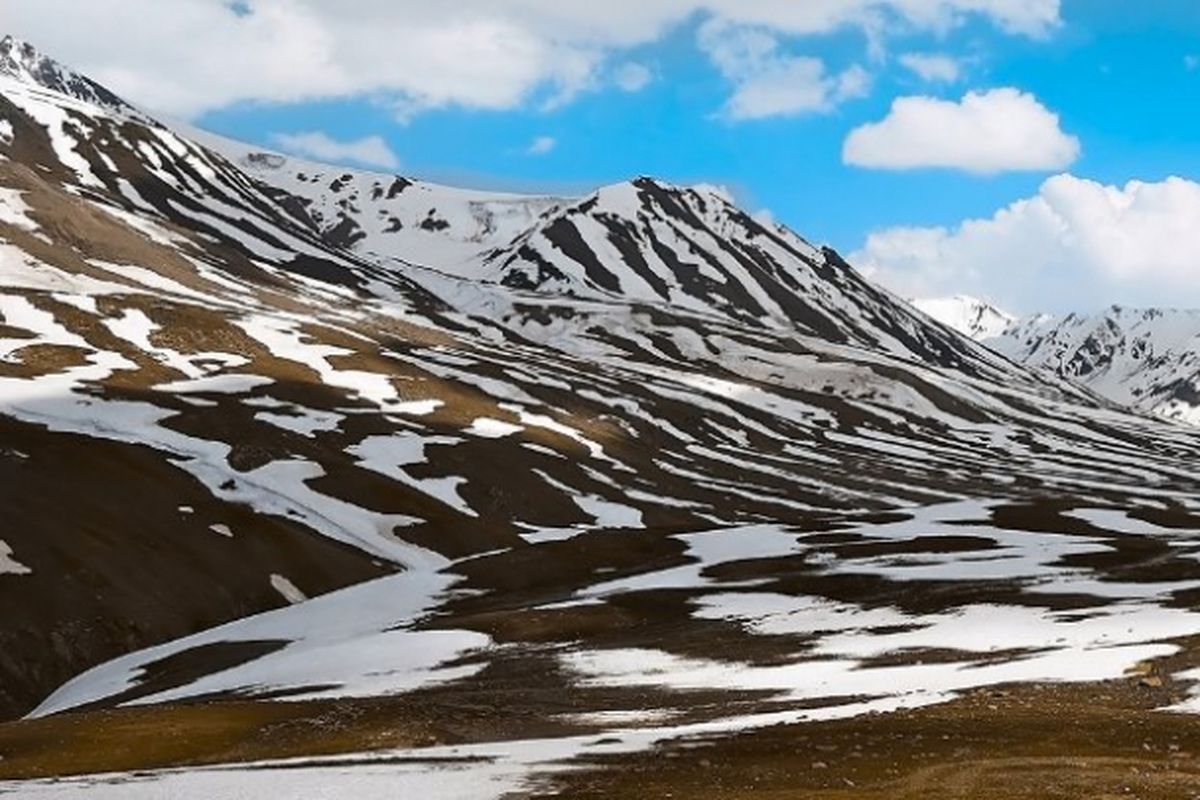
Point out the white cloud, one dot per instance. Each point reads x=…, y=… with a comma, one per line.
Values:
x=768, y=82
x=1034, y=18
x=995, y=131
x=932, y=66
x=541, y=145
x=765, y=217
x=1075, y=244
x=371, y=151
x=632, y=76
x=185, y=57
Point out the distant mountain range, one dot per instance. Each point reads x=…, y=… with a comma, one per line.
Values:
x=1145, y=359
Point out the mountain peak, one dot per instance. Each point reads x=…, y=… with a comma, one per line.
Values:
x=22, y=62
x=968, y=315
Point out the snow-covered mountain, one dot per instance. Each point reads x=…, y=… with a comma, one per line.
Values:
x=691, y=248
x=1146, y=359
x=540, y=467
x=388, y=217
x=21, y=61
x=643, y=241
x=970, y=316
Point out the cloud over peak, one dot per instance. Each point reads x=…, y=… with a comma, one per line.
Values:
x=1075, y=242
x=770, y=82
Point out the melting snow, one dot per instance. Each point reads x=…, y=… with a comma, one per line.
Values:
x=13, y=210
x=488, y=428
x=8, y=564
x=388, y=454
x=287, y=589
x=357, y=642
x=216, y=384
x=305, y=421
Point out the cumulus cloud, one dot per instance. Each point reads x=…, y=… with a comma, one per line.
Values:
x=769, y=82
x=371, y=151
x=932, y=66
x=988, y=132
x=186, y=57
x=541, y=145
x=1075, y=244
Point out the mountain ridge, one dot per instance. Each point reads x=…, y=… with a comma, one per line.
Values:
x=1145, y=359
x=977, y=319
x=21, y=61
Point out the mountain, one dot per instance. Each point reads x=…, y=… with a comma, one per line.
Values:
x=21, y=61
x=387, y=217
x=970, y=316
x=1146, y=359
x=688, y=248
x=542, y=478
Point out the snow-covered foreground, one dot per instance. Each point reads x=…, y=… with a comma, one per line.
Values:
x=354, y=643
x=456, y=778
x=361, y=642
x=858, y=657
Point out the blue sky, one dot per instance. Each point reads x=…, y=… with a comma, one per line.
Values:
x=1117, y=76
x=1097, y=92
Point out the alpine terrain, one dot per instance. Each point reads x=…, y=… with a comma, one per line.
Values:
x=1146, y=359
x=970, y=316
x=316, y=482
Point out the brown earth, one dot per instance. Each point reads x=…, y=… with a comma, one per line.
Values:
x=517, y=697
x=1098, y=741
x=126, y=558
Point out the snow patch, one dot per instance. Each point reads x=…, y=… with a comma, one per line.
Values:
x=357, y=642
x=216, y=384
x=488, y=428
x=287, y=589
x=14, y=211
x=8, y=564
